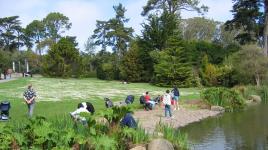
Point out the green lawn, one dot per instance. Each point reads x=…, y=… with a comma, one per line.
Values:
x=60, y=96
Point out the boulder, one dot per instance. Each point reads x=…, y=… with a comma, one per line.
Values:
x=217, y=108
x=160, y=144
x=138, y=148
x=255, y=98
x=102, y=120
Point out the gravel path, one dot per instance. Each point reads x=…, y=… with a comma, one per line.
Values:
x=182, y=117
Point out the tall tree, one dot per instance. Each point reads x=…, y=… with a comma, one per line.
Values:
x=131, y=68
x=10, y=33
x=35, y=31
x=5, y=62
x=199, y=28
x=55, y=24
x=158, y=29
x=118, y=35
x=62, y=59
x=250, y=16
x=113, y=32
x=100, y=34
x=251, y=64
x=173, y=6
x=172, y=67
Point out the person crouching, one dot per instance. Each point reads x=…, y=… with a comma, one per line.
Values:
x=84, y=107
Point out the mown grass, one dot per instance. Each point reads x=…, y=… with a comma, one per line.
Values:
x=58, y=97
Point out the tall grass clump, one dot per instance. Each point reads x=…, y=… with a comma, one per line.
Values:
x=247, y=91
x=178, y=139
x=230, y=99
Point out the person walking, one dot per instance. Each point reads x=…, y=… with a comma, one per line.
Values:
x=29, y=97
x=176, y=95
x=167, y=104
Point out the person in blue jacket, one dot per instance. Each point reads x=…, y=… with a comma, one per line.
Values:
x=128, y=121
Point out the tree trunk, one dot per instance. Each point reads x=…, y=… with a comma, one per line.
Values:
x=257, y=78
x=265, y=32
x=5, y=75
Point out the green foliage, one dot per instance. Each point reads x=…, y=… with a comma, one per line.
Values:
x=56, y=23
x=199, y=28
x=131, y=68
x=249, y=63
x=246, y=91
x=5, y=61
x=172, y=68
x=178, y=139
x=230, y=99
x=136, y=136
x=114, y=114
x=248, y=17
x=11, y=33
x=173, y=7
x=6, y=137
x=104, y=142
x=35, y=32
x=62, y=59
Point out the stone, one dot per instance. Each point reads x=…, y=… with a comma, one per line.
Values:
x=217, y=108
x=255, y=98
x=102, y=120
x=160, y=144
x=138, y=148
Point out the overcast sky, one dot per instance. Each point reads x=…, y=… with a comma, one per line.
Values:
x=84, y=13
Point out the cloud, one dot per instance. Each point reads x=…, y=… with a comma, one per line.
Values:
x=219, y=10
x=83, y=17
x=134, y=10
x=84, y=13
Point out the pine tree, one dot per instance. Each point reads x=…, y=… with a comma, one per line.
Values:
x=172, y=67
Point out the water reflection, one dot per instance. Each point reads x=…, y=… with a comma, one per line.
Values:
x=240, y=130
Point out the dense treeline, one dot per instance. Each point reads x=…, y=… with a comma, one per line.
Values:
x=169, y=51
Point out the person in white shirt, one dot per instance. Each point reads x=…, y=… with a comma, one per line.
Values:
x=167, y=103
x=84, y=107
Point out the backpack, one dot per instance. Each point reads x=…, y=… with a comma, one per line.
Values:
x=129, y=99
x=109, y=103
x=142, y=100
x=157, y=99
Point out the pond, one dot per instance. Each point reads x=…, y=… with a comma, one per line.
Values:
x=246, y=130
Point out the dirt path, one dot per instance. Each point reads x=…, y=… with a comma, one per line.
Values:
x=182, y=117
x=6, y=80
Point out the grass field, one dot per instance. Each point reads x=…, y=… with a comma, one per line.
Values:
x=60, y=96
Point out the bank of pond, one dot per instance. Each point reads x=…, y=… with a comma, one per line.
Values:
x=244, y=125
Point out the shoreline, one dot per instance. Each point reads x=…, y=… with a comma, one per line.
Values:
x=182, y=117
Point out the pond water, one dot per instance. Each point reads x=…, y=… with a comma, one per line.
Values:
x=244, y=130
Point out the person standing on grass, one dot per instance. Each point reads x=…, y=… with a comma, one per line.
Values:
x=167, y=104
x=176, y=95
x=29, y=97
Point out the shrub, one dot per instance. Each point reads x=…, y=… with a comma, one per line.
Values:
x=228, y=98
x=246, y=91
x=178, y=139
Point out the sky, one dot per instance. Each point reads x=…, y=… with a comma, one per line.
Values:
x=84, y=13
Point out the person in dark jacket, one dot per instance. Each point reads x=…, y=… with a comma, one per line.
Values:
x=108, y=102
x=176, y=95
x=128, y=121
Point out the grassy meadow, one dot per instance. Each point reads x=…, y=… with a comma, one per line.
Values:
x=57, y=97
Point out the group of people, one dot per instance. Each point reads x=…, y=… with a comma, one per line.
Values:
x=169, y=98
x=85, y=107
